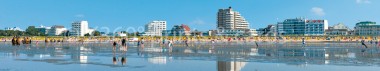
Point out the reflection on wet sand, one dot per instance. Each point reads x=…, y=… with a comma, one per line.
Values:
x=230, y=65
x=227, y=58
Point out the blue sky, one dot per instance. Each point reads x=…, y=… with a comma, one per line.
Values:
x=198, y=14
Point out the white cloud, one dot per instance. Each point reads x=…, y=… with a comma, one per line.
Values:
x=363, y=1
x=79, y=15
x=318, y=11
x=197, y=22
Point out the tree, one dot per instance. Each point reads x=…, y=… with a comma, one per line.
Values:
x=88, y=34
x=96, y=33
x=32, y=31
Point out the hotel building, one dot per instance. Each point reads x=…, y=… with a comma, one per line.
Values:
x=80, y=28
x=301, y=26
x=231, y=23
x=367, y=28
x=154, y=28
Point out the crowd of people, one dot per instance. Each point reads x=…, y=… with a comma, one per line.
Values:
x=170, y=42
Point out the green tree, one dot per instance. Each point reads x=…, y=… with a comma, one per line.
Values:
x=88, y=34
x=96, y=33
x=32, y=31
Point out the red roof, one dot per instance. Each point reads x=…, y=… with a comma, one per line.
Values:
x=187, y=28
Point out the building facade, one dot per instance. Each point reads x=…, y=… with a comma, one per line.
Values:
x=316, y=27
x=154, y=28
x=230, y=22
x=80, y=28
x=338, y=29
x=301, y=26
x=43, y=29
x=253, y=32
x=367, y=28
x=57, y=30
x=14, y=29
x=178, y=30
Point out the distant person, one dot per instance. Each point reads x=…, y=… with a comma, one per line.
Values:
x=163, y=41
x=303, y=41
x=123, y=42
x=212, y=42
x=142, y=41
x=114, y=44
x=114, y=60
x=363, y=43
x=186, y=43
x=170, y=44
x=257, y=45
x=138, y=42
x=123, y=60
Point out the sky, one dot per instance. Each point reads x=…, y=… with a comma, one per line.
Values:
x=116, y=15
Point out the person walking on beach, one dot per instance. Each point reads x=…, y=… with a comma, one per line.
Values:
x=163, y=41
x=363, y=43
x=257, y=45
x=123, y=42
x=170, y=44
x=186, y=42
x=303, y=40
x=114, y=44
x=212, y=42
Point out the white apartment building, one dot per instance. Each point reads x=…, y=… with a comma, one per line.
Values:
x=230, y=22
x=154, y=28
x=80, y=28
x=56, y=30
x=229, y=19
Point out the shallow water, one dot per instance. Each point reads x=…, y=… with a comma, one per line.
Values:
x=197, y=57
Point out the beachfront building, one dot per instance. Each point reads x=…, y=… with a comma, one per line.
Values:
x=367, y=28
x=301, y=26
x=154, y=28
x=43, y=29
x=14, y=29
x=253, y=32
x=178, y=30
x=338, y=29
x=57, y=30
x=80, y=28
x=231, y=23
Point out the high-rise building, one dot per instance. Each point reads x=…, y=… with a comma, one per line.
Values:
x=154, y=28
x=367, y=28
x=301, y=26
x=230, y=22
x=80, y=28
x=57, y=30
